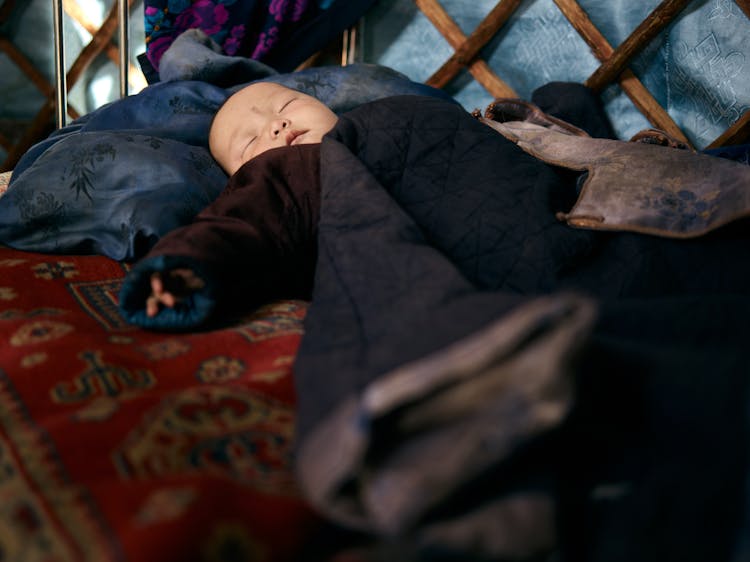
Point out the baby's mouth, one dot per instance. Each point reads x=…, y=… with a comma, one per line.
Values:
x=292, y=136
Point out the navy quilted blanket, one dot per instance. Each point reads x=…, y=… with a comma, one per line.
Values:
x=479, y=381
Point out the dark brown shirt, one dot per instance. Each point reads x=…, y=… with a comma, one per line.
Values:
x=257, y=240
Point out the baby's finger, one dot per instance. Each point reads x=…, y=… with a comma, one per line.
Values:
x=157, y=286
x=168, y=299
x=152, y=306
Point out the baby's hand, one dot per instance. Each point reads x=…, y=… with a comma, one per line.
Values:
x=169, y=288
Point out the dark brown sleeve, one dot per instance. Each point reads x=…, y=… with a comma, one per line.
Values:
x=258, y=238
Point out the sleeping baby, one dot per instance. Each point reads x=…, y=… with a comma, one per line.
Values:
x=254, y=120
x=474, y=196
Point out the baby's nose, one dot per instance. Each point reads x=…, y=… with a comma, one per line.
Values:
x=279, y=126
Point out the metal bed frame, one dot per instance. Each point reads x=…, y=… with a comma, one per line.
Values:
x=61, y=89
x=55, y=111
x=349, y=46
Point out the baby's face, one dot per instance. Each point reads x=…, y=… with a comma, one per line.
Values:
x=264, y=116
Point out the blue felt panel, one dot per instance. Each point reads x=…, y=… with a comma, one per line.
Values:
x=698, y=68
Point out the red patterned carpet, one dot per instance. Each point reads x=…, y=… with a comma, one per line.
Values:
x=122, y=444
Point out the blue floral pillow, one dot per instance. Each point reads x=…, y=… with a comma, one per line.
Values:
x=116, y=180
x=110, y=192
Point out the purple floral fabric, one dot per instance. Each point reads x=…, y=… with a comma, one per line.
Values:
x=251, y=28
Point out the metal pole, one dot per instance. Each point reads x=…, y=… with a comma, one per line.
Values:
x=124, y=16
x=350, y=40
x=61, y=86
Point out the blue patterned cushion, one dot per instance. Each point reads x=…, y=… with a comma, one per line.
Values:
x=109, y=192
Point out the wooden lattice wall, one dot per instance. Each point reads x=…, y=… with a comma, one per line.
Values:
x=613, y=60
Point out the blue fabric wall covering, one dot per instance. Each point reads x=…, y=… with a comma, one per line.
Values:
x=698, y=68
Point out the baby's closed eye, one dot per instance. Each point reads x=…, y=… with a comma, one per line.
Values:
x=248, y=146
x=286, y=104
